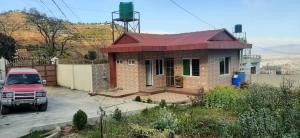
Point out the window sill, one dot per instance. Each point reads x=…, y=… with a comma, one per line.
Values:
x=190, y=76
x=225, y=74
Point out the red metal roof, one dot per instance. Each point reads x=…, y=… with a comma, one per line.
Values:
x=211, y=39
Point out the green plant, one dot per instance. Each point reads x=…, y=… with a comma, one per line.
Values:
x=91, y=55
x=138, y=99
x=270, y=112
x=7, y=47
x=80, y=119
x=224, y=97
x=141, y=132
x=163, y=103
x=198, y=99
x=244, y=85
x=195, y=126
x=117, y=114
x=149, y=100
x=166, y=120
x=145, y=111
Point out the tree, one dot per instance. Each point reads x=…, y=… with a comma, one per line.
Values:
x=7, y=47
x=53, y=30
x=9, y=23
x=92, y=55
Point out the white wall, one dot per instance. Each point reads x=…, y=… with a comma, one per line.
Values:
x=75, y=76
x=2, y=68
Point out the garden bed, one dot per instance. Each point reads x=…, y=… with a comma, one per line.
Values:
x=259, y=111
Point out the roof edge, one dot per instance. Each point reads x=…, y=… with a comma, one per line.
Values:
x=121, y=36
x=222, y=30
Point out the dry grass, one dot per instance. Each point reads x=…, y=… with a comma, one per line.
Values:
x=93, y=36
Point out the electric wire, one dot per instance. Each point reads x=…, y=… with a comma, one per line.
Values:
x=192, y=14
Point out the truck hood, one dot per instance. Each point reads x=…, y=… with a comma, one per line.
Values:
x=23, y=88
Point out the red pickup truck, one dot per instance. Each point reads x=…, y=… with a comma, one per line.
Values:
x=23, y=86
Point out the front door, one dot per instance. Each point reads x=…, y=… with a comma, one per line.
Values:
x=253, y=70
x=170, y=71
x=148, y=65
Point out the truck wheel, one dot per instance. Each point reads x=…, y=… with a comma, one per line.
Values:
x=43, y=107
x=4, y=110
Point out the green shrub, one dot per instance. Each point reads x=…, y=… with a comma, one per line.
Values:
x=270, y=112
x=224, y=97
x=191, y=126
x=145, y=111
x=188, y=126
x=198, y=99
x=91, y=55
x=166, y=120
x=80, y=119
x=163, y=103
x=149, y=100
x=117, y=114
x=138, y=99
x=137, y=131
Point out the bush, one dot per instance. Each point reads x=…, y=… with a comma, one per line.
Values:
x=137, y=131
x=224, y=97
x=80, y=119
x=91, y=55
x=166, y=120
x=193, y=126
x=270, y=112
x=117, y=114
x=138, y=99
x=145, y=111
x=163, y=103
x=149, y=100
x=198, y=99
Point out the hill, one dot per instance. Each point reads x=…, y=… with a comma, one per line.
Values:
x=92, y=35
x=280, y=55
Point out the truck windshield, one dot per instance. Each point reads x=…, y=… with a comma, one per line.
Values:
x=23, y=79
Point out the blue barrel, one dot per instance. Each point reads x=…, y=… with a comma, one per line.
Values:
x=242, y=75
x=236, y=80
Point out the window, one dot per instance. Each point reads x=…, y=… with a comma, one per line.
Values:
x=23, y=79
x=159, y=67
x=195, y=67
x=224, y=65
x=131, y=61
x=119, y=61
x=186, y=66
x=191, y=67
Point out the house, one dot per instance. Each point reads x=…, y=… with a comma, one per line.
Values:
x=250, y=63
x=205, y=59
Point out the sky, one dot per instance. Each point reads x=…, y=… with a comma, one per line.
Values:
x=266, y=22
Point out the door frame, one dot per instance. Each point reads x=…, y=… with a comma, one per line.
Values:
x=151, y=64
x=167, y=72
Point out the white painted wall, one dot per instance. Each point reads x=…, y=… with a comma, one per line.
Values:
x=2, y=68
x=75, y=76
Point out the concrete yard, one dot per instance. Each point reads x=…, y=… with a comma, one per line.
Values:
x=63, y=103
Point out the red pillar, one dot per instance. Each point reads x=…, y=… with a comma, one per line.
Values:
x=112, y=70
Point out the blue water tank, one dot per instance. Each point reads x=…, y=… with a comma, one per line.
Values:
x=236, y=80
x=238, y=28
x=242, y=76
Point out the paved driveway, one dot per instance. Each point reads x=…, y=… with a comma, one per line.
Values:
x=63, y=103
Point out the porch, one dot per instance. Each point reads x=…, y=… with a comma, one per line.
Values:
x=150, y=91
